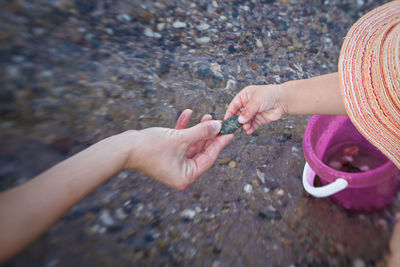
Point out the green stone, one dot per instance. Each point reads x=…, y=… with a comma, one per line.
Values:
x=230, y=125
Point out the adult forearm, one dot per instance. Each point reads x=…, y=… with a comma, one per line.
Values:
x=30, y=209
x=318, y=95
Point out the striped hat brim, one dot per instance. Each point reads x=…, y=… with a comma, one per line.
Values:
x=369, y=69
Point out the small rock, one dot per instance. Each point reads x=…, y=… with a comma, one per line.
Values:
x=248, y=188
x=232, y=164
x=216, y=69
x=280, y=192
x=232, y=49
x=150, y=33
x=261, y=175
x=275, y=70
x=288, y=243
x=188, y=214
x=124, y=17
x=203, y=27
x=120, y=214
x=224, y=160
x=179, y=24
x=198, y=209
x=109, y=31
x=266, y=190
x=163, y=244
x=254, y=182
x=203, y=40
x=106, y=219
x=160, y=27
x=259, y=44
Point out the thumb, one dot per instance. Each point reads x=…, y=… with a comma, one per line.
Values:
x=249, y=111
x=203, y=131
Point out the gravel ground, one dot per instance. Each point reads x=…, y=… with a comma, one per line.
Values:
x=74, y=72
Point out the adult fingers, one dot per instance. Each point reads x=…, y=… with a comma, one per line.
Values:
x=202, y=131
x=206, y=159
x=183, y=119
x=206, y=117
x=198, y=146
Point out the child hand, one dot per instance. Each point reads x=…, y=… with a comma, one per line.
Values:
x=257, y=105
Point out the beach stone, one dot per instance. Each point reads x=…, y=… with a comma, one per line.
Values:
x=255, y=183
x=188, y=214
x=225, y=160
x=106, y=219
x=248, y=188
x=232, y=164
x=179, y=24
x=203, y=40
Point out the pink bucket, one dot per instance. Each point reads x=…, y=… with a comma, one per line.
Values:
x=362, y=191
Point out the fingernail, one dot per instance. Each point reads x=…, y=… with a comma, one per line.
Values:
x=242, y=119
x=216, y=125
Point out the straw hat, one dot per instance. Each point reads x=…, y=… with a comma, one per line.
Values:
x=369, y=69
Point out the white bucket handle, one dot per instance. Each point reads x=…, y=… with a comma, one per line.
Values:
x=323, y=191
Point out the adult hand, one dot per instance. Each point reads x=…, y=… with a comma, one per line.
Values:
x=257, y=105
x=177, y=157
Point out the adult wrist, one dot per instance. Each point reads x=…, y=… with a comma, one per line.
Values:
x=126, y=143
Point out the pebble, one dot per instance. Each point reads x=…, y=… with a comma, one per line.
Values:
x=109, y=31
x=179, y=24
x=216, y=69
x=198, y=209
x=163, y=244
x=255, y=183
x=248, y=188
x=232, y=164
x=203, y=40
x=261, y=175
x=120, y=214
x=203, y=27
x=231, y=49
x=280, y=192
x=150, y=33
x=188, y=214
x=124, y=17
x=106, y=219
x=160, y=26
x=225, y=160
x=266, y=190
x=259, y=44
x=288, y=243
